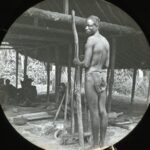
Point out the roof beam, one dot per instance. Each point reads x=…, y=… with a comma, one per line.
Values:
x=59, y=17
x=21, y=37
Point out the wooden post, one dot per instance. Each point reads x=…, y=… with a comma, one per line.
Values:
x=78, y=85
x=66, y=11
x=66, y=6
x=133, y=85
x=70, y=89
x=148, y=95
x=66, y=102
x=25, y=64
x=59, y=74
x=48, y=80
x=56, y=72
x=17, y=56
x=111, y=79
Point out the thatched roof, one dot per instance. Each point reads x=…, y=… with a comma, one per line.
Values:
x=40, y=37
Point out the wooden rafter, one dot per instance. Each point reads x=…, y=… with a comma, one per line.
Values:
x=101, y=9
x=78, y=8
x=59, y=17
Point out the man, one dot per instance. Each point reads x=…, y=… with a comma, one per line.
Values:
x=10, y=90
x=3, y=94
x=95, y=62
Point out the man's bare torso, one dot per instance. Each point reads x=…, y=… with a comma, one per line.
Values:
x=99, y=53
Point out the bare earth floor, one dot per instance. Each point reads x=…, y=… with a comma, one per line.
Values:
x=35, y=131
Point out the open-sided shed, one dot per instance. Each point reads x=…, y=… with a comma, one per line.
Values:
x=44, y=33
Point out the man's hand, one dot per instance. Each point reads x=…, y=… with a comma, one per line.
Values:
x=76, y=61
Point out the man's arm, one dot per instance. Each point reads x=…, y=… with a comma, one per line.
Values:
x=88, y=55
x=108, y=55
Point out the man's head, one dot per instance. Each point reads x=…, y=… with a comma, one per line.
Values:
x=92, y=24
x=7, y=81
x=26, y=77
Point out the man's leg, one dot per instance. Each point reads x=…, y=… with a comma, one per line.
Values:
x=92, y=100
x=103, y=117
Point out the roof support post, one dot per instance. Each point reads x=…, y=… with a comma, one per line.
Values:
x=48, y=81
x=133, y=85
x=111, y=77
x=17, y=64
x=25, y=64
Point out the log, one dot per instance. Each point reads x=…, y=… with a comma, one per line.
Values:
x=33, y=116
x=119, y=125
x=64, y=18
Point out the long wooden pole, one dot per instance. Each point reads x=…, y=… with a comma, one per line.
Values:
x=78, y=86
x=17, y=56
x=133, y=85
x=66, y=11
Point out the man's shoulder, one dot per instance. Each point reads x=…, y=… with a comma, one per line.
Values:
x=105, y=41
x=90, y=40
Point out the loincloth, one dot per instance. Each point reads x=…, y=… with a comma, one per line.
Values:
x=100, y=80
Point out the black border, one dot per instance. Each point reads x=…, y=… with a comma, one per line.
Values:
x=138, y=10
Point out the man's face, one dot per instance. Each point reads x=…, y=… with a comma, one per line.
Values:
x=90, y=27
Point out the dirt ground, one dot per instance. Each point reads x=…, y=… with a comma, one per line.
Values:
x=37, y=131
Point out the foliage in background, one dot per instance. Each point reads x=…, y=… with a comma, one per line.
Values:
x=123, y=81
x=37, y=71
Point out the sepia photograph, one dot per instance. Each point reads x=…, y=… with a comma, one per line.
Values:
x=74, y=75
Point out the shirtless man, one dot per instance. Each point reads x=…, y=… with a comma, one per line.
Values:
x=95, y=62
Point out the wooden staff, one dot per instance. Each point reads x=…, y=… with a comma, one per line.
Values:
x=58, y=110
x=77, y=83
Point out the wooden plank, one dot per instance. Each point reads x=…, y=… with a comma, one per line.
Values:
x=34, y=116
x=59, y=17
x=133, y=85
